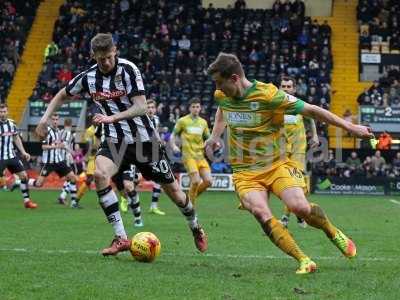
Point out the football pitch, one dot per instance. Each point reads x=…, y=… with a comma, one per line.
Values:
x=54, y=252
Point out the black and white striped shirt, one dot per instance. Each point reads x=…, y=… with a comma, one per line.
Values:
x=67, y=137
x=156, y=121
x=52, y=156
x=112, y=93
x=8, y=130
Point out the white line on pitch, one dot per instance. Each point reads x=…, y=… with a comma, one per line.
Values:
x=394, y=201
x=237, y=256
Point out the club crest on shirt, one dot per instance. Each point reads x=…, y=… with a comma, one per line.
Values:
x=254, y=105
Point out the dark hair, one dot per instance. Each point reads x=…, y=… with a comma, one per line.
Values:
x=194, y=100
x=55, y=115
x=226, y=65
x=101, y=42
x=288, y=78
x=3, y=105
x=68, y=122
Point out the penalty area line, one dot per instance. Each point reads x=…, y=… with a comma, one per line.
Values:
x=236, y=256
x=394, y=201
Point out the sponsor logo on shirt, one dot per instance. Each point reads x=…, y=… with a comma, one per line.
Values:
x=194, y=130
x=99, y=96
x=242, y=118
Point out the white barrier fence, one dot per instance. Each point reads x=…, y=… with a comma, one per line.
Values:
x=221, y=182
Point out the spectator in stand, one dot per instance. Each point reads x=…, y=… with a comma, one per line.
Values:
x=384, y=141
x=364, y=98
x=396, y=165
x=353, y=163
x=172, y=42
x=378, y=164
x=51, y=50
x=368, y=169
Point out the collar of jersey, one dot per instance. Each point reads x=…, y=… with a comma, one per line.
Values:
x=113, y=71
x=248, y=90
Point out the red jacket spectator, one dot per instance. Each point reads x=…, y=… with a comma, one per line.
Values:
x=64, y=75
x=384, y=141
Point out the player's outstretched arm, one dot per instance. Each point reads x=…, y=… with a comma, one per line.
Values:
x=55, y=103
x=217, y=131
x=323, y=115
x=139, y=108
x=314, y=142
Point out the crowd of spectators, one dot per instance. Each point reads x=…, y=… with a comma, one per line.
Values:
x=384, y=92
x=15, y=21
x=379, y=25
x=172, y=42
x=371, y=166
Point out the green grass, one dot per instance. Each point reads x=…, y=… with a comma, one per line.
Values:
x=58, y=256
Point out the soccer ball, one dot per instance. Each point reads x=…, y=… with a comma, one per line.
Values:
x=145, y=247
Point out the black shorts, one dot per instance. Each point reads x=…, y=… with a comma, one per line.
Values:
x=61, y=168
x=124, y=173
x=14, y=165
x=149, y=158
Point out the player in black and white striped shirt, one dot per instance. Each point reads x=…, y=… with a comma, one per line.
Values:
x=116, y=86
x=52, y=159
x=9, y=136
x=67, y=138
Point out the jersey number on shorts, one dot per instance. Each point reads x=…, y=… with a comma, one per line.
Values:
x=295, y=172
x=162, y=167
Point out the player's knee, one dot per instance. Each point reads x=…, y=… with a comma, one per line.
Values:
x=23, y=176
x=207, y=182
x=195, y=181
x=302, y=209
x=100, y=176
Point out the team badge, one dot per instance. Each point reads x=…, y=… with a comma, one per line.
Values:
x=118, y=77
x=254, y=105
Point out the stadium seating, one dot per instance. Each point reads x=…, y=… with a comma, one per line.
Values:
x=379, y=33
x=172, y=42
x=15, y=21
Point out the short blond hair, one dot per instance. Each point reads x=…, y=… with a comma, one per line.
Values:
x=101, y=42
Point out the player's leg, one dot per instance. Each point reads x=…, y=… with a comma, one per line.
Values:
x=186, y=207
x=134, y=202
x=313, y=214
x=255, y=201
x=15, y=166
x=71, y=178
x=64, y=192
x=206, y=178
x=16, y=183
x=85, y=185
x=285, y=216
x=3, y=180
x=194, y=176
x=157, y=168
x=108, y=200
x=24, y=187
x=44, y=172
x=155, y=197
x=195, y=181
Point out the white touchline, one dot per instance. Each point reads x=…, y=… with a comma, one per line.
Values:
x=394, y=201
x=238, y=256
